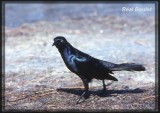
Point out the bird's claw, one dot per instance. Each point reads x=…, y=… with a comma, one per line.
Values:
x=85, y=95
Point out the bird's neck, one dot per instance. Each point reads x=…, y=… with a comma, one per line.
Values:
x=66, y=51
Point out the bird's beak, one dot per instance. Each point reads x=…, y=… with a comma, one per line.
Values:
x=53, y=44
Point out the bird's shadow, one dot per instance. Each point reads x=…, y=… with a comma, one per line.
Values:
x=100, y=93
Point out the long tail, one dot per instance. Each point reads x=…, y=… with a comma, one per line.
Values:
x=128, y=67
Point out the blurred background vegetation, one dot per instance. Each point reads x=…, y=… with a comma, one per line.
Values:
x=18, y=13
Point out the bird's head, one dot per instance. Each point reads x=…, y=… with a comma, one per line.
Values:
x=59, y=41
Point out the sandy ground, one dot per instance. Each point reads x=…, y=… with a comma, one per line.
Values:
x=37, y=79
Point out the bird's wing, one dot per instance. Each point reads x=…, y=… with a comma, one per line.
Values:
x=90, y=63
x=108, y=65
x=80, y=61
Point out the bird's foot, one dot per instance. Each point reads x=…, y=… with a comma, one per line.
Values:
x=104, y=90
x=85, y=95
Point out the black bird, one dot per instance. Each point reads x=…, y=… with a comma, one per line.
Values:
x=88, y=67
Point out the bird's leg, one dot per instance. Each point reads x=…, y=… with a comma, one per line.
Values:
x=85, y=93
x=104, y=86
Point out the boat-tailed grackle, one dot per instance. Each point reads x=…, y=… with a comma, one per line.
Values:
x=88, y=67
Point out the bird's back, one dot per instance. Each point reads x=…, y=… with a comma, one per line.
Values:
x=92, y=67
